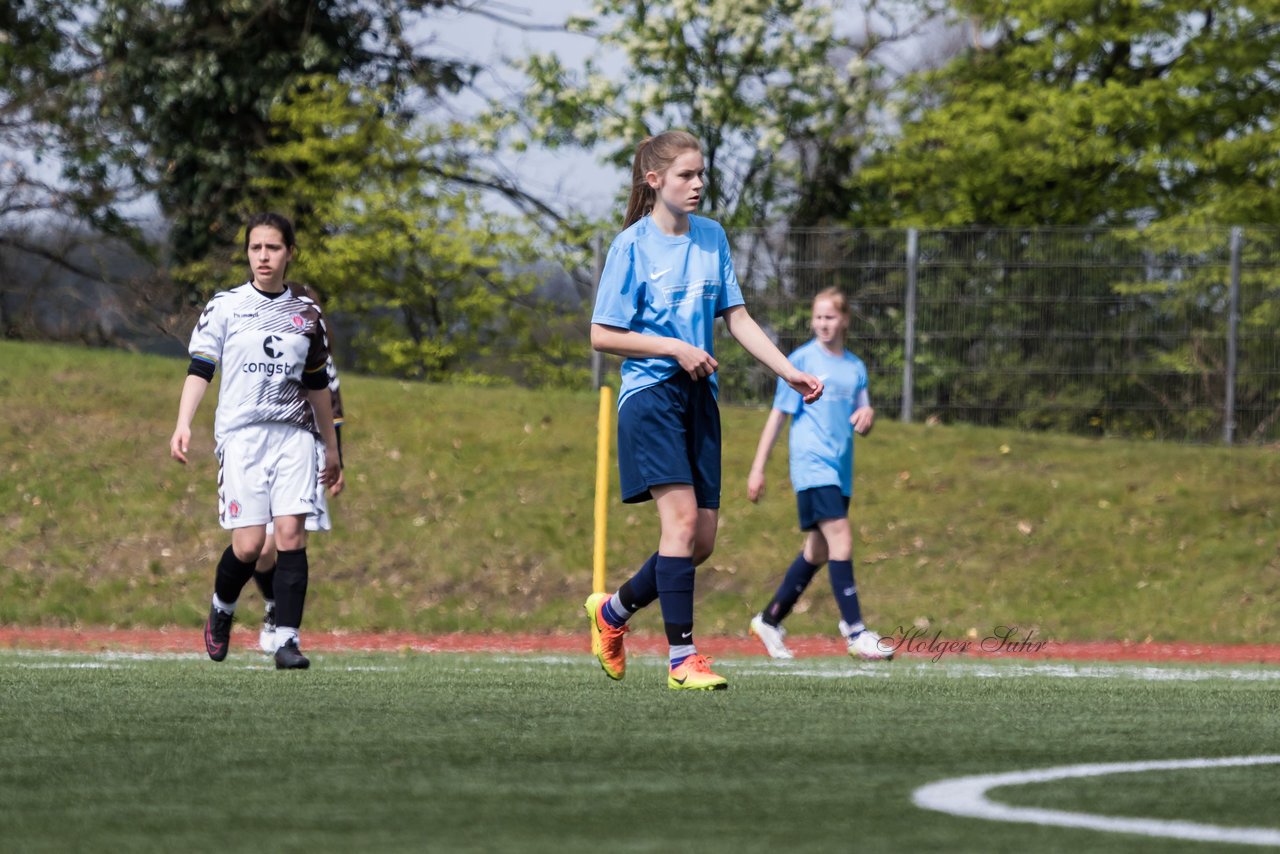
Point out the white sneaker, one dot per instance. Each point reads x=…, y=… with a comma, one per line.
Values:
x=867, y=644
x=267, y=637
x=771, y=637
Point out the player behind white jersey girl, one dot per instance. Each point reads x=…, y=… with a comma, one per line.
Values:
x=666, y=279
x=821, y=451
x=273, y=402
x=265, y=569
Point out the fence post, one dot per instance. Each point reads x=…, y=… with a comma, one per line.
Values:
x=597, y=267
x=909, y=330
x=1233, y=328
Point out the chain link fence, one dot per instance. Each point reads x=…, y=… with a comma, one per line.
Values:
x=1157, y=333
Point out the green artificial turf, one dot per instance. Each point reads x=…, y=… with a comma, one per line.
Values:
x=538, y=753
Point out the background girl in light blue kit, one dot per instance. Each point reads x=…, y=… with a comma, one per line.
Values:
x=666, y=279
x=821, y=452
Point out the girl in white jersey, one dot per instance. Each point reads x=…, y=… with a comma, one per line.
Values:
x=666, y=279
x=273, y=406
x=821, y=452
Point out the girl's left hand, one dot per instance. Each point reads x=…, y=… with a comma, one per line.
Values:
x=808, y=386
x=862, y=420
x=331, y=474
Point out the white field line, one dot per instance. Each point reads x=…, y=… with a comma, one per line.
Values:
x=967, y=797
x=964, y=669
x=815, y=668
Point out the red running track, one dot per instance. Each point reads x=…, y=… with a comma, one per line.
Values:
x=184, y=639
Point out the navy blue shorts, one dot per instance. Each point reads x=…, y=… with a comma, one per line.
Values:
x=670, y=433
x=821, y=502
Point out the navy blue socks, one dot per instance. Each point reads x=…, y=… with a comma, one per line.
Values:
x=846, y=591
x=798, y=576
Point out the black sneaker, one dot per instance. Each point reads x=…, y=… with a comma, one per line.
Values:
x=217, y=633
x=289, y=657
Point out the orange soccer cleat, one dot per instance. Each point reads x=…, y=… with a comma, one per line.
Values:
x=606, y=641
x=694, y=673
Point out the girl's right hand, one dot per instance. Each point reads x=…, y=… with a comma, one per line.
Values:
x=179, y=443
x=695, y=361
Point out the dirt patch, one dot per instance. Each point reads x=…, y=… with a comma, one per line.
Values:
x=184, y=639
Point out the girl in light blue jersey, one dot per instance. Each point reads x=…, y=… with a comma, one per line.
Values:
x=821, y=445
x=666, y=279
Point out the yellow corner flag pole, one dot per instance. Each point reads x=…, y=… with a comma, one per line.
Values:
x=604, y=433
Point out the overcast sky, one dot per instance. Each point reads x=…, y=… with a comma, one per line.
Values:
x=571, y=177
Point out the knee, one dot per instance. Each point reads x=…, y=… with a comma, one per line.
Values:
x=816, y=553
x=682, y=529
x=704, y=543
x=292, y=543
x=246, y=547
x=841, y=548
x=291, y=533
x=247, y=555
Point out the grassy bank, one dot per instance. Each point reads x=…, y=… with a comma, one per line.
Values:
x=471, y=508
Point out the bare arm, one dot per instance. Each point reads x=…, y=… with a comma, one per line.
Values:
x=768, y=436
x=752, y=338
x=696, y=362
x=193, y=390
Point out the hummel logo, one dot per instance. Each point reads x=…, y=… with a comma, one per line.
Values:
x=849, y=591
x=659, y=274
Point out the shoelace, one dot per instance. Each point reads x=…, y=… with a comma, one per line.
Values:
x=700, y=663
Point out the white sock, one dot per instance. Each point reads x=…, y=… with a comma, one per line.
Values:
x=283, y=635
x=615, y=605
x=683, y=650
x=224, y=607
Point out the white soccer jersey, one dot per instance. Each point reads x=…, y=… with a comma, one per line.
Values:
x=264, y=345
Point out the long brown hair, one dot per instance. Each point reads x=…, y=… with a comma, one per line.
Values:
x=654, y=154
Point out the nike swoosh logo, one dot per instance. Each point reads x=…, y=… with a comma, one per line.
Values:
x=686, y=634
x=208, y=639
x=681, y=680
x=659, y=274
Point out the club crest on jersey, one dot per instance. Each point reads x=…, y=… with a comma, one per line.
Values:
x=297, y=321
x=233, y=509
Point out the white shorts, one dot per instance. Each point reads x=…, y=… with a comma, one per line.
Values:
x=319, y=520
x=265, y=471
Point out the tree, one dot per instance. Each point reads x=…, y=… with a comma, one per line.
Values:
x=174, y=97
x=779, y=99
x=34, y=43
x=438, y=287
x=1157, y=115
x=1102, y=113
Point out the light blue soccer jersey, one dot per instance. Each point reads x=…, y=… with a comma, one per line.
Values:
x=675, y=287
x=821, y=436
